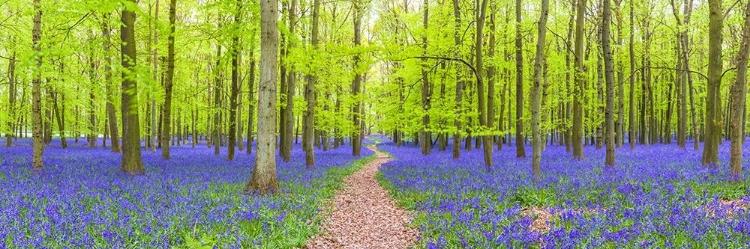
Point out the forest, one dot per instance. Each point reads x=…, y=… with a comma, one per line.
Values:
x=374, y=124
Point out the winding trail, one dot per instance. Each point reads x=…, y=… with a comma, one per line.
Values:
x=364, y=216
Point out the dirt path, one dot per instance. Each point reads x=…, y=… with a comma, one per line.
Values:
x=364, y=216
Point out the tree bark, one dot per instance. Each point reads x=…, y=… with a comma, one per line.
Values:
x=11, y=99
x=426, y=136
x=459, y=81
x=36, y=90
x=235, y=88
x=356, y=83
x=610, y=82
x=308, y=127
x=520, y=151
x=131, y=145
x=713, y=118
x=216, y=140
x=251, y=103
x=263, y=180
x=739, y=92
x=290, y=87
x=536, y=138
x=111, y=113
x=168, y=83
x=579, y=90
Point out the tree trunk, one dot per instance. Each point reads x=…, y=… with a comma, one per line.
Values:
x=216, y=140
x=459, y=81
x=579, y=90
x=520, y=151
x=356, y=83
x=536, y=138
x=263, y=180
x=111, y=113
x=739, y=91
x=36, y=90
x=156, y=123
x=290, y=87
x=426, y=136
x=235, y=88
x=713, y=118
x=169, y=81
x=131, y=145
x=11, y=98
x=251, y=103
x=308, y=126
x=610, y=82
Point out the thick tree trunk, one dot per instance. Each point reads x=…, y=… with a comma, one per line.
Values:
x=263, y=180
x=579, y=90
x=536, y=138
x=487, y=140
x=713, y=117
x=36, y=90
x=739, y=91
x=131, y=145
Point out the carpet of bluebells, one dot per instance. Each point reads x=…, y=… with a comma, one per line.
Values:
x=658, y=196
x=83, y=200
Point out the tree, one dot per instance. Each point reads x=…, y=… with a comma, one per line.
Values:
x=520, y=151
x=580, y=82
x=356, y=83
x=111, y=113
x=309, y=117
x=739, y=93
x=235, y=88
x=168, y=83
x=713, y=117
x=487, y=145
x=131, y=145
x=288, y=111
x=36, y=90
x=426, y=136
x=610, y=81
x=536, y=138
x=263, y=180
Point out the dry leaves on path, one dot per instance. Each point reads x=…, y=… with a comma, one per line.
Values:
x=364, y=216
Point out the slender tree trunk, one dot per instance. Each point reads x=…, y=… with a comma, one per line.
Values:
x=610, y=82
x=520, y=151
x=156, y=123
x=131, y=146
x=169, y=81
x=739, y=92
x=216, y=140
x=263, y=180
x=536, y=140
x=579, y=90
x=426, y=136
x=111, y=113
x=290, y=87
x=356, y=83
x=487, y=140
x=235, y=88
x=11, y=98
x=620, y=125
x=459, y=81
x=309, y=117
x=251, y=103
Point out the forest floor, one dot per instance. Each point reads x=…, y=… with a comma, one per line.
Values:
x=364, y=216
